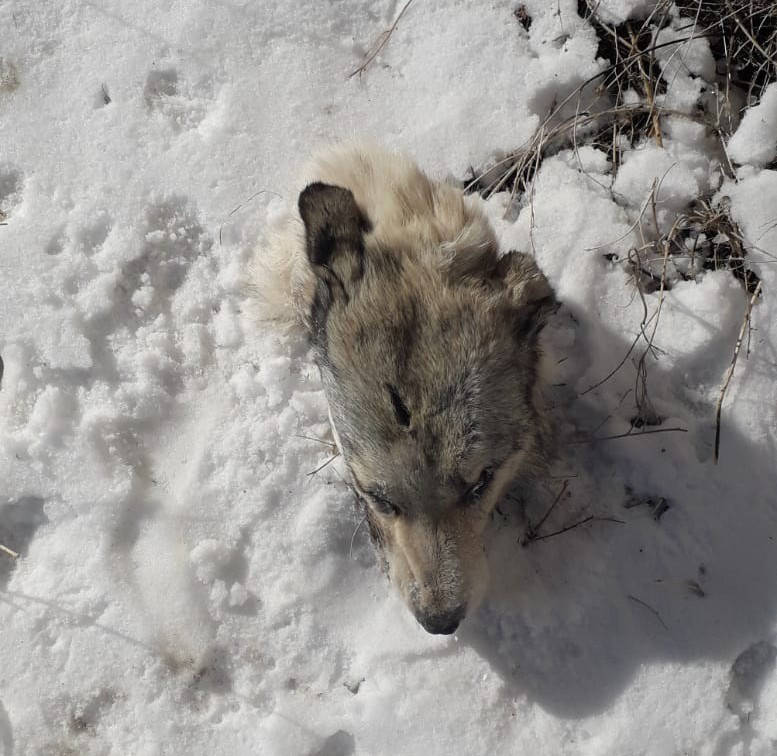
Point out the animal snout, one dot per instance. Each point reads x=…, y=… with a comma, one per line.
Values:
x=442, y=623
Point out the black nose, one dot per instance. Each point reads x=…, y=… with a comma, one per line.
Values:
x=444, y=623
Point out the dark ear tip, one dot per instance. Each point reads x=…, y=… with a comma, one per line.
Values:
x=320, y=203
x=332, y=219
x=314, y=196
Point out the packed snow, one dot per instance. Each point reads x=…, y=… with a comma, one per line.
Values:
x=190, y=576
x=755, y=141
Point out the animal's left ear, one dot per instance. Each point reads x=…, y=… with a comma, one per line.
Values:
x=529, y=294
x=334, y=230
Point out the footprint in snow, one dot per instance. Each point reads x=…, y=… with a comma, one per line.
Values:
x=173, y=239
x=11, y=185
x=19, y=520
x=88, y=239
x=183, y=103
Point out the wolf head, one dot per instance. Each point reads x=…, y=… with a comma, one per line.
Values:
x=430, y=367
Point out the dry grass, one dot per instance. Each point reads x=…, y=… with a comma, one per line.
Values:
x=621, y=107
x=701, y=239
x=705, y=237
x=605, y=114
x=743, y=39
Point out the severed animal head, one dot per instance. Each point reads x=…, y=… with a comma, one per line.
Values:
x=429, y=362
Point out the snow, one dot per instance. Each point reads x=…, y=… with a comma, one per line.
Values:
x=755, y=141
x=183, y=584
x=687, y=68
x=653, y=166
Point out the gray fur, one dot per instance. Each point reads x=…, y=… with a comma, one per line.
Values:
x=428, y=348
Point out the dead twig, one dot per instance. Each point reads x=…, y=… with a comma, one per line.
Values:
x=322, y=466
x=649, y=608
x=330, y=444
x=646, y=414
x=532, y=529
x=628, y=434
x=353, y=535
x=615, y=369
x=730, y=373
x=379, y=44
x=243, y=204
x=8, y=551
x=589, y=518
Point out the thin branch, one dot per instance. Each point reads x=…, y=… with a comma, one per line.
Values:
x=590, y=518
x=8, y=551
x=243, y=204
x=629, y=434
x=730, y=373
x=380, y=44
x=353, y=535
x=536, y=527
x=615, y=369
x=649, y=608
x=322, y=466
x=330, y=444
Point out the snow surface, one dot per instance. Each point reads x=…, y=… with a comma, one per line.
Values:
x=184, y=586
x=755, y=141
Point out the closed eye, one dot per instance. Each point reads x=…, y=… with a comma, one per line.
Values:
x=382, y=504
x=401, y=411
x=375, y=498
x=478, y=489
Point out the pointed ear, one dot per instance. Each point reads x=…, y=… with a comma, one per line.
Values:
x=528, y=292
x=334, y=230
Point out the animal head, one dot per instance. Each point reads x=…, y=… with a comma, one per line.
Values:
x=429, y=364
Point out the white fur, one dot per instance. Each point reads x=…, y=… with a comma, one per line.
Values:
x=407, y=211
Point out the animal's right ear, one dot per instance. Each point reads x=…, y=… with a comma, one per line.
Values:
x=334, y=230
x=531, y=297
